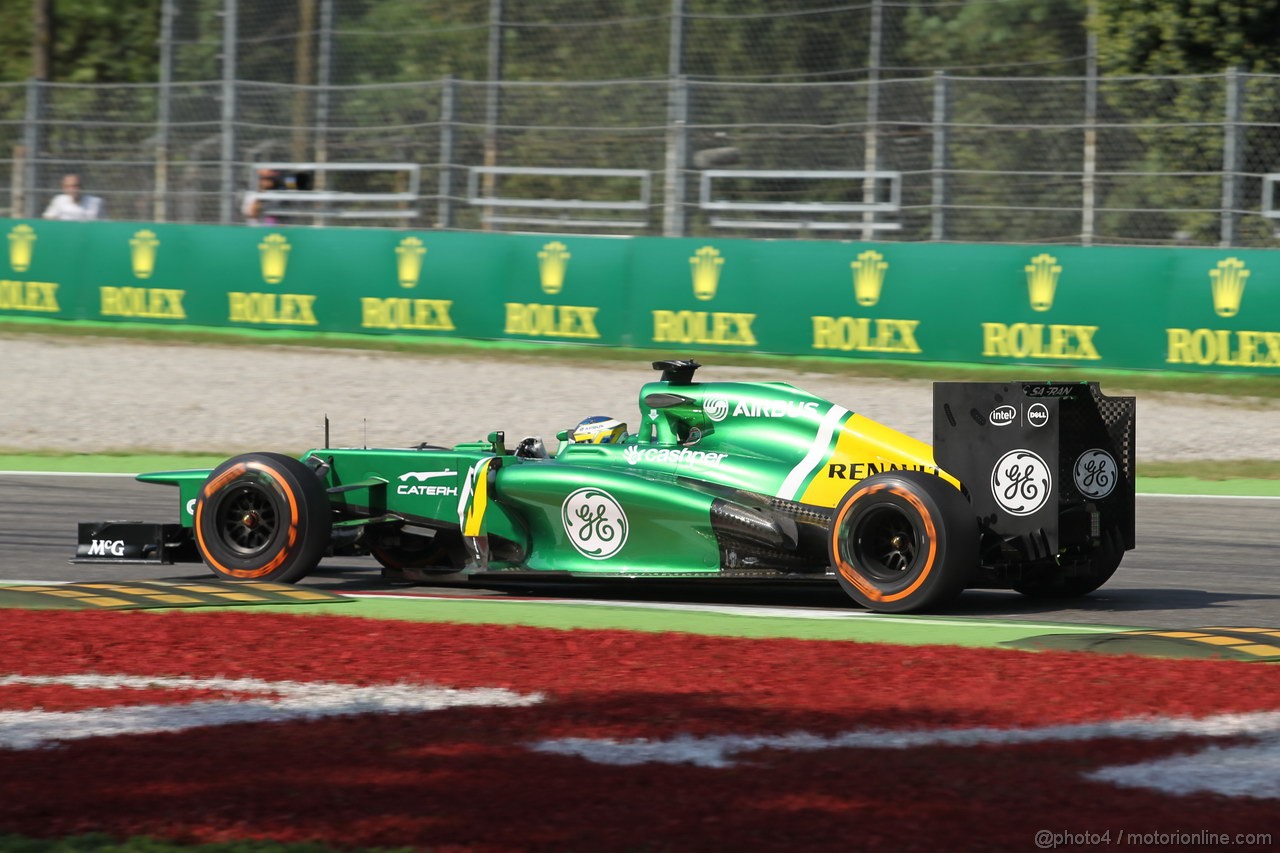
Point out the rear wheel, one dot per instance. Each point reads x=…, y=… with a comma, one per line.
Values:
x=262, y=517
x=1081, y=578
x=903, y=541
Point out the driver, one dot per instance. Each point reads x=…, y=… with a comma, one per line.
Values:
x=599, y=429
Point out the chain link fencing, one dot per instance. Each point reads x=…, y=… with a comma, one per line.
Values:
x=676, y=117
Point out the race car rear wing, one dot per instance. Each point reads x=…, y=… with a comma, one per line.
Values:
x=1046, y=464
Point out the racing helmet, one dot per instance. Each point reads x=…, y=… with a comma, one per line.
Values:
x=599, y=429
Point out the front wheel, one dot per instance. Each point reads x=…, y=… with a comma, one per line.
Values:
x=902, y=541
x=262, y=517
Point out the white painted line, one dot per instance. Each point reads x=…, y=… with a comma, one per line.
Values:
x=62, y=474
x=721, y=750
x=1251, y=770
x=722, y=609
x=272, y=702
x=1211, y=497
x=764, y=612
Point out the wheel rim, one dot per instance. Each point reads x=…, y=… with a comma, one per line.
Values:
x=885, y=544
x=246, y=520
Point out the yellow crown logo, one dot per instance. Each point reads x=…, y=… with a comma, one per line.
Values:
x=706, y=263
x=1042, y=280
x=1227, y=282
x=409, y=261
x=273, y=253
x=552, y=261
x=22, y=239
x=142, y=253
x=868, y=277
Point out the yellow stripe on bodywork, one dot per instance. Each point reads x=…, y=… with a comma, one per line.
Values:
x=478, y=501
x=865, y=447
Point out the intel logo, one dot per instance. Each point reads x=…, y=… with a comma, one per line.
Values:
x=1038, y=415
x=1003, y=416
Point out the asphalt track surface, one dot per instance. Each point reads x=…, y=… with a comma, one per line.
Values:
x=1200, y=561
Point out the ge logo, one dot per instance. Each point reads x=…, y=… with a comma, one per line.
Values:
x=1021, y=482
x=594, y=523
x=1096, y=473
x=717, y=408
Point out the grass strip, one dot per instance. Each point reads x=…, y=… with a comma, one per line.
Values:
x=855, y=625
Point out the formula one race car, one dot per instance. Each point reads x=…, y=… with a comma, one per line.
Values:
x=1028, y=485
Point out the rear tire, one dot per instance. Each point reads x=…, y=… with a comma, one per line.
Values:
x=903, y=541
x=262, y=517
x=1055, y=583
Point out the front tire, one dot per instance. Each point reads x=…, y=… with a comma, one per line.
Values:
x=903, y=541
x=262, y=517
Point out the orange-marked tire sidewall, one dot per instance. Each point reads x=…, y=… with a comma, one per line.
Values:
x=926, y=525
x=279, y=486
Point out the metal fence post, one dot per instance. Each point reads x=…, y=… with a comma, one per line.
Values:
x=31, y=142
x=872, y=157
x=444, y=201
x=160, y=194
x=940, y=159
x=673, y=195
x=493, y=106
x=1090, y=165
x=673, y=192
x=324, y=81
x=227, y=166
x=1231, y=156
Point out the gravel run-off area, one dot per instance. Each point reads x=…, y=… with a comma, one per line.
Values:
x=104, y=394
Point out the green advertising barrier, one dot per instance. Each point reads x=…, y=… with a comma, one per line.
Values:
x=1126, y=308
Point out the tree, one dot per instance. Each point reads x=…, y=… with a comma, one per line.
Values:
x=1177, y=134
x=95, y=41
x=1187, y=36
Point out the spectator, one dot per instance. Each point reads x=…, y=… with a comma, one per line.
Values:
x=252, y=207
x=72, y=205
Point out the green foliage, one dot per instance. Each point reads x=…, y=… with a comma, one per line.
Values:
x=95, y=41
x=1019, y=39
x=1187, y=36
x=1175, y=120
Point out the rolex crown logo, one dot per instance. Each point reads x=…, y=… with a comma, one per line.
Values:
x=274, y=256
x=1227, y=282
x=22, y=240
x=552, y=261
x=142, y=253
x=868, y=277
x=1042, y=280
x=706, y=263
x=409, y=261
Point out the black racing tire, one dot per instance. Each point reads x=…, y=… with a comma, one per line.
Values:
x=1056, y=583
x=437, y=552
x=903, y=541
x=262, y=517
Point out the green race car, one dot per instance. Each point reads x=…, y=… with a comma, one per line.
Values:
x=1028, y=485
